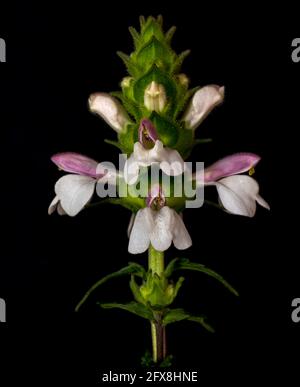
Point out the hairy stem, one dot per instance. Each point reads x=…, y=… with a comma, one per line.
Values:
x=158, y=331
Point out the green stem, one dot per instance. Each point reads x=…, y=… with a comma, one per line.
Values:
x=154, y=341
x=158, y=331
x=156, y=261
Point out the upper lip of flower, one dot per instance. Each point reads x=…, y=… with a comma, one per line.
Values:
x=228, y=166
x=77, y=163
x=110, y=109
x=201, y=104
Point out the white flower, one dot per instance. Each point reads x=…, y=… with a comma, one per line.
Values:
x=169, y=160
x=157, y=224
x=159, y=228
x=150, y=150
x=74, y=191
x=110, y=109
x=155, y=97
x=202, y=103
x=237, y=193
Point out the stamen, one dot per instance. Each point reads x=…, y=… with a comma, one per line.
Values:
x=156, y=199
x=251, y=171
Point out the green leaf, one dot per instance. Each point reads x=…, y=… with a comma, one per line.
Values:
x=132, y=69
x=132, y=108
x=184, y=100
x=202, y=141
x=135, y=36
x=185, y=264
x=132, y=307
x=178, y=62
x=177, y=287
x=151, y=28
x=136, y=290
x=169, y=34
x=142, y=21
x=130, y=269
x=167, y=362
x=167, y=130
x=176, y=315
x=154, y=51
x=114, y=143
x=202, y=320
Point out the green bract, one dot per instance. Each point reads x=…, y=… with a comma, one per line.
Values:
x=155, y=88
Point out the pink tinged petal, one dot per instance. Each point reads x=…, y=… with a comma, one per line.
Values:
x=202, y=103
x=76, y=163
x=181, y=236
x=74, y=192
x=161, y=237
x=238, y=194
x=147, y=134
x=140, y=234
x=110, y=109
x=230, y=165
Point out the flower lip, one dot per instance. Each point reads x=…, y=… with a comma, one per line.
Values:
x=77, y=163
x=147, y=133
x=156, y=199
x=230, y=165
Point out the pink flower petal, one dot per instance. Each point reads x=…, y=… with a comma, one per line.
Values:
x=147, y=134
x=76, y=163
x=230, y=165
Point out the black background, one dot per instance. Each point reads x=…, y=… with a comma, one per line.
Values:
x=58, y=54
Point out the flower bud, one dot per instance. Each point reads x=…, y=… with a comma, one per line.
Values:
x=155, y=97
x=202, y=103
x=126, y=82
x=183, y=80
x=110, y=109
